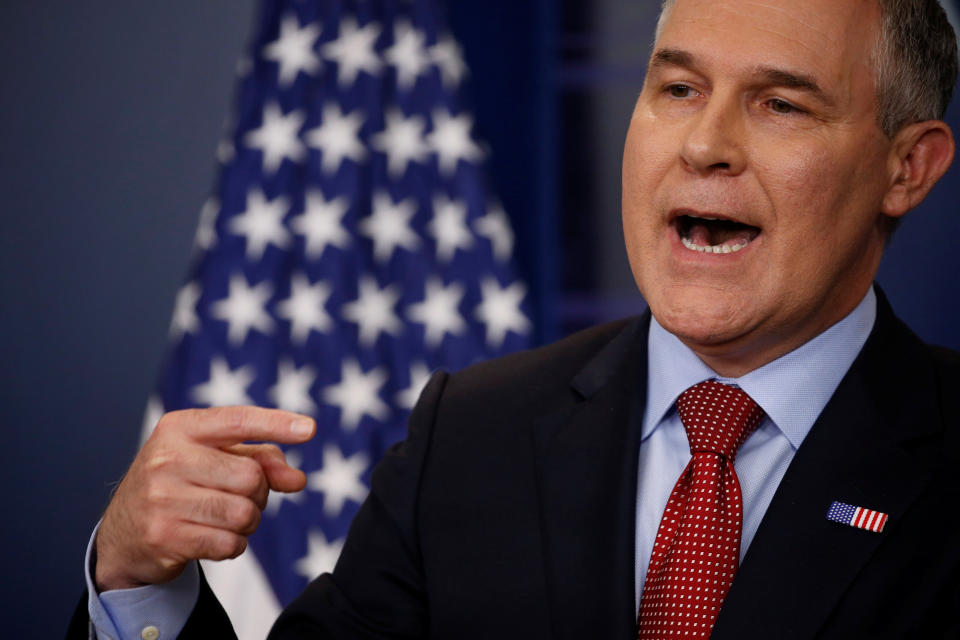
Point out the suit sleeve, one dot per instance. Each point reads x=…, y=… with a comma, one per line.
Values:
x=377, y=589
x=208, y=619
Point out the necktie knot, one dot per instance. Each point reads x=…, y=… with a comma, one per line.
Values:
x=718, y=417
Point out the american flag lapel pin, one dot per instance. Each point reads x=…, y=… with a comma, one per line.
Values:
x=857, y=516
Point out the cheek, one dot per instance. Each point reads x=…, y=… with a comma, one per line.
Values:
x=644, y=166
x=647, y=159
x=826, y=202
x=639, y=180
x=648, y=150
x=633, y=165
x=807, y=186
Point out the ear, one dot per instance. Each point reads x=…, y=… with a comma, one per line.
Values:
x=921, y=153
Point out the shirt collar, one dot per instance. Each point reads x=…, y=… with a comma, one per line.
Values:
x=792, y=390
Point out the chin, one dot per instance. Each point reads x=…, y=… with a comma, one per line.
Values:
x=702, y=318
x=699, y=335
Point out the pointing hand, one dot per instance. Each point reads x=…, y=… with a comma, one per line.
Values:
x=195, y=491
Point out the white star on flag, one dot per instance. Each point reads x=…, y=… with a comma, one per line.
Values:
x=275, y=499
x=449, y=227
x=321, y=223
x=373, y=311
x=451, y=141
x=500, y=310
x=419, y=376
x=262, y=224
x=277, y=137
x=206, y=236
x=402, y=141
x=321, y=555
x=306, y=308
x=225, y=386
x=357, y=394
x=339, y=479
x=185, y=318
x=353, y=50
x=292, y=389
x=337, y=137
x=244, y=309
x=496, y=228
x=407, y=54
x=388, y=226
x=448, y=56
x=293, y=49
x=438, y=311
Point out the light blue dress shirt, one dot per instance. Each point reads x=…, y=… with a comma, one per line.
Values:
x=123, y=614
x=792, y=390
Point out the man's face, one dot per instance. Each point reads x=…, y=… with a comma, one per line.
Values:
x=754, y=174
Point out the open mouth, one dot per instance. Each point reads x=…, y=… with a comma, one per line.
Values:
x=714, y=235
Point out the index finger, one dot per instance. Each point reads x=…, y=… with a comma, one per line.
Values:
x=225, y=426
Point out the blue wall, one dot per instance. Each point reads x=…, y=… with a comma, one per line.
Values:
x=109, y=119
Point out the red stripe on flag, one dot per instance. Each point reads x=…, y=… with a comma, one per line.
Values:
x=880, y=523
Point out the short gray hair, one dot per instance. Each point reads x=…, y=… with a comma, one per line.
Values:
x=916, y=61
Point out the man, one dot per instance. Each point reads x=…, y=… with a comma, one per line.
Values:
x=773, y=147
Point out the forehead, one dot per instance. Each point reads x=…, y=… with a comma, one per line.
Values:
x=831, y=39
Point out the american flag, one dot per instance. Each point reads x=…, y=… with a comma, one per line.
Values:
x=857, y=516
x=352, y=246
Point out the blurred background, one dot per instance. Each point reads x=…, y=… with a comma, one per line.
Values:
x=110, y=116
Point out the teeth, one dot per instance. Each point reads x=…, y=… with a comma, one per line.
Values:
x=719, y=248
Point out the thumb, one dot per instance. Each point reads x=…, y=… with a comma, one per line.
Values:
x=280, y=475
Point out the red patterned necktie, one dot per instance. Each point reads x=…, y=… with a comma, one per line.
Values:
x=697, y=549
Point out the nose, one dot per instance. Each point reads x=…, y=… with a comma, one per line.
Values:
x=713, y=142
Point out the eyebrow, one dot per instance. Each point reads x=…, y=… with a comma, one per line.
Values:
x=793, y=80
x=671, y=58
x=768, y=75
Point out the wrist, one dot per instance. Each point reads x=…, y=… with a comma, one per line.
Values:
x=106, y=575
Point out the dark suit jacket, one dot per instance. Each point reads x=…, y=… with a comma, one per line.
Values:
x=509, y=510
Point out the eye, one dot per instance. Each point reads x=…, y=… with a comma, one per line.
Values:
x=680, y=91
x=782, y=106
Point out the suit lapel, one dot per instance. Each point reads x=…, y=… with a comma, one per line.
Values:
x=586, y=457
x=868, y=449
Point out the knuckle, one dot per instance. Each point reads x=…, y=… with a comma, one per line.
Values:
x=261, y=497
x=168, y=563
x=225, y=544
x=170, y=421
x=239, y=546
x=273, y=450
x=156, y=495
x=239, y=419
x=242, y=416
x=160, y=461
x=246, y=419
x=163, y=424
x=248, y=475
x=155, y=534
x=245, y=516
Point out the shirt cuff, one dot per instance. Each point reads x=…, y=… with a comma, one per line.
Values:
x=142, y=613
